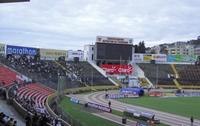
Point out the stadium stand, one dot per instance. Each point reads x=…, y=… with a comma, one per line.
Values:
x=33, y=97
x=7, y=77
x=5, y=120
x=85, y=73
x=46, y=72
x=158, y=73
x=143, y=82
x=188, y=74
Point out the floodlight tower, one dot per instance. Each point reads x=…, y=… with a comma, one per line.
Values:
x=61, y=84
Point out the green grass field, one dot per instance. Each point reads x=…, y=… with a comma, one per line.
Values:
x=87, y=119
x=184, y=106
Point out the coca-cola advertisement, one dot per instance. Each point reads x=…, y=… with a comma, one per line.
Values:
x=117, y=69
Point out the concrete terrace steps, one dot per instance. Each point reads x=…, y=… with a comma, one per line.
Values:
x=7, y=76
x=176, y=76
x=35, y=92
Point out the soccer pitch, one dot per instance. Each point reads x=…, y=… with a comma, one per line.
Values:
x=184, y=106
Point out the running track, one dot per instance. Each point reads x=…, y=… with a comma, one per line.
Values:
x=166, y=118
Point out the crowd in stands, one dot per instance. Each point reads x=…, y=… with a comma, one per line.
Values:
x=85, y=73
x=3, y=93
x=37, y=113
x=42, y=71
x=42, y=120
x=36, y=116
x=46, y=72
x=6, y=120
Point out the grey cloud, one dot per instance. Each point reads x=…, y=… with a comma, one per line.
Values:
x=79, y=21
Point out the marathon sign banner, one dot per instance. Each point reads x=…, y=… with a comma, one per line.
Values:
x=19, y=50
x=117, y=69
x=99, y=107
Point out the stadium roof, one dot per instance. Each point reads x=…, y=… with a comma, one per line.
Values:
x=9, y=1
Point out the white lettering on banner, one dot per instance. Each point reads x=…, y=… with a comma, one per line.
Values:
x=109, y=70
x=100, y=107
x=117, y=69
x=21, y=51
x=124, y=70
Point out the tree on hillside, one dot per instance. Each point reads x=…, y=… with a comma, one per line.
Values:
x=136, y=49
x=140, y=48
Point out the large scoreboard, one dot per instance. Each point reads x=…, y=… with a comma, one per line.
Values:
x=108, y=51
x=113, y=49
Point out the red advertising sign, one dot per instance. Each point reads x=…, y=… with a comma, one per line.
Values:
x=156, y=94
x=117, y=69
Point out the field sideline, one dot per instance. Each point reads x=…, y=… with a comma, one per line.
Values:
x=184, y=106
x=86, y=118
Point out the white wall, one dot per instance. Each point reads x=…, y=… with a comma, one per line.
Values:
x=71, y=54
x=89, y=53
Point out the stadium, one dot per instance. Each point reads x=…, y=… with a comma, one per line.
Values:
x=106, y=83
x=113, y=82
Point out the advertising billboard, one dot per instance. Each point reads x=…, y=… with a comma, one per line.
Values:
x=137, y=58
x=117, y=69
x=159, y=57
x=52, y=54
x=99, y=107
x=181, y=58
x=19, y=50
x=114, y=40
x=147, y=57
x=2, y=48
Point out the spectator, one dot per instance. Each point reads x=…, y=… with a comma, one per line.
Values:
x=15, y=123
x=10, y=122
x=109, y=104
x=191, y=120
x=28, y=120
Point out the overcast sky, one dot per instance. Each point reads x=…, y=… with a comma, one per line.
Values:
x=69, y=24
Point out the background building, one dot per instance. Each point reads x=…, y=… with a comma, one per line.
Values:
x=89, y=53
x=77, y=55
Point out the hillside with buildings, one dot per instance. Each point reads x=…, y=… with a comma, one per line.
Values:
x=191, y=47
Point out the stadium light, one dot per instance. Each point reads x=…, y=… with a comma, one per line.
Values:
x=11, y=1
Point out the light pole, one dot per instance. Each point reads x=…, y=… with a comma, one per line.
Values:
x=156, y=75
x=92, y=75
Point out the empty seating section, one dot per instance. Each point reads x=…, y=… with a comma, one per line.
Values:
x=36, y=93
x=188, y=74
x=157, y=73
x=7, y=77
